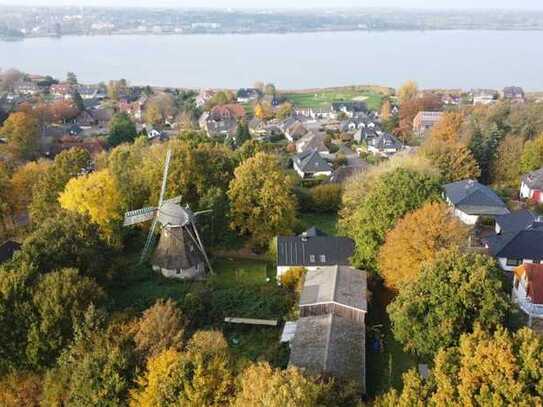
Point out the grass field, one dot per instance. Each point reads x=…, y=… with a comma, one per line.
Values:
x=322, y=98
x=384, y=368
x=327, y=222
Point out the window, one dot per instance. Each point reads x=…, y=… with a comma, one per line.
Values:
x=514, y=262
x=323, y=258
x=312, y=258
x=537, y=261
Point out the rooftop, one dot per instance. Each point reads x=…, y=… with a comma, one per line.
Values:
x=321, y=250
x=474, y=198
x=339, y=284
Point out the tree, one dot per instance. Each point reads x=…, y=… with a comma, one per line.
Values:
x=66, y=240
x=124, y=163
x=45, y=193
x=97, y=196
x=484, y=131
x=532, y=155
x=115, y=89
x=220, y=98
x=261, y=198
x=20, y=389
x=63, y=111
x=409, y=90
x=201, y=376
x=386, y=110
x=121, y=130
x=60, y=298
x=16, y=314
x=96, y=370
x=392, y=195
x=448, y=128
x=71, y=78
x=260, y=385
x=152, y=116
x=200, y=173
x=78, y=101
x=416, y=239
x=22, y=133
x=484, y=369
x=264, y=111
x=451, y=295
x=506, y=170
x=454, y=160
x=6, y=198
x=242, y=134
x=284, y=111
x=22, y=183
x=160, y=328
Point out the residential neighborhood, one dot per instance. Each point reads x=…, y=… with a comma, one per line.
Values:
x=313, y=238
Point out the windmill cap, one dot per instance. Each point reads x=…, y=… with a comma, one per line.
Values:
x=174, y=215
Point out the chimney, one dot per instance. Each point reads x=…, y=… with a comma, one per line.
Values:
x=304, y=237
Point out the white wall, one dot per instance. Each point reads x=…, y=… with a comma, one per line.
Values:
x=464, y=217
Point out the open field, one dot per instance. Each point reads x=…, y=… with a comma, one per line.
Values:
x=316, y=98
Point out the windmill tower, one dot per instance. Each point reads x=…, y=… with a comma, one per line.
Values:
x=180, y=252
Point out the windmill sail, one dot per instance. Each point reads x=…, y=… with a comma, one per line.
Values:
x=139, y=216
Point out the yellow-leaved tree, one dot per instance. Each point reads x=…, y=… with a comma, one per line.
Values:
x=486, y=369
x=23, y=180
x=262, y=202
x=97, y=196
x=416, y=239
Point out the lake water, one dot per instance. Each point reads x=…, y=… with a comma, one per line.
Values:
x=453, y=59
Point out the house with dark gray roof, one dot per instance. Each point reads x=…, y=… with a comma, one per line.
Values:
x=516, y=242
x=311, y=164
x=531, y=186
x=385, y=145
x=472, y=200
x=312, y=249
x=329, y=337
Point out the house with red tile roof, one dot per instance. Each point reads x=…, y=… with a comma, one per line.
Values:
x=528, y=290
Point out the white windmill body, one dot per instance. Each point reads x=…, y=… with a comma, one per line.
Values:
x=180, y=252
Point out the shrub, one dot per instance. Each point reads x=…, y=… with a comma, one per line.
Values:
x=326, y=197
x=293, y=278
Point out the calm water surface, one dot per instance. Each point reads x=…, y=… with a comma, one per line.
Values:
x=459, y=59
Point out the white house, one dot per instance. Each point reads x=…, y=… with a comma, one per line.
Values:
x=311, y=164
x=531, y=186
x=472, y=200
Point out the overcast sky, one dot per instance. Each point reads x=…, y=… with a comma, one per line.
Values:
x=489, y=4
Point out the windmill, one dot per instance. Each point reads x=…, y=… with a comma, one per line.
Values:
x=180, y=252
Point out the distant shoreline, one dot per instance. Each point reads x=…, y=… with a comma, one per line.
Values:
x=335, y=30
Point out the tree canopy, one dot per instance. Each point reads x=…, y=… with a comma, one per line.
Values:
x=391, y=196
x=22, y=133
x=121, y=130
x=532, y=155
x=262, y=202
x=97, y=196
x=416, y=239
x=485, y=369
x=451, y=295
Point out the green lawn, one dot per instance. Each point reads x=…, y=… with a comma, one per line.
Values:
x=384, y=369
x=322, y=98
x=327, y=222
